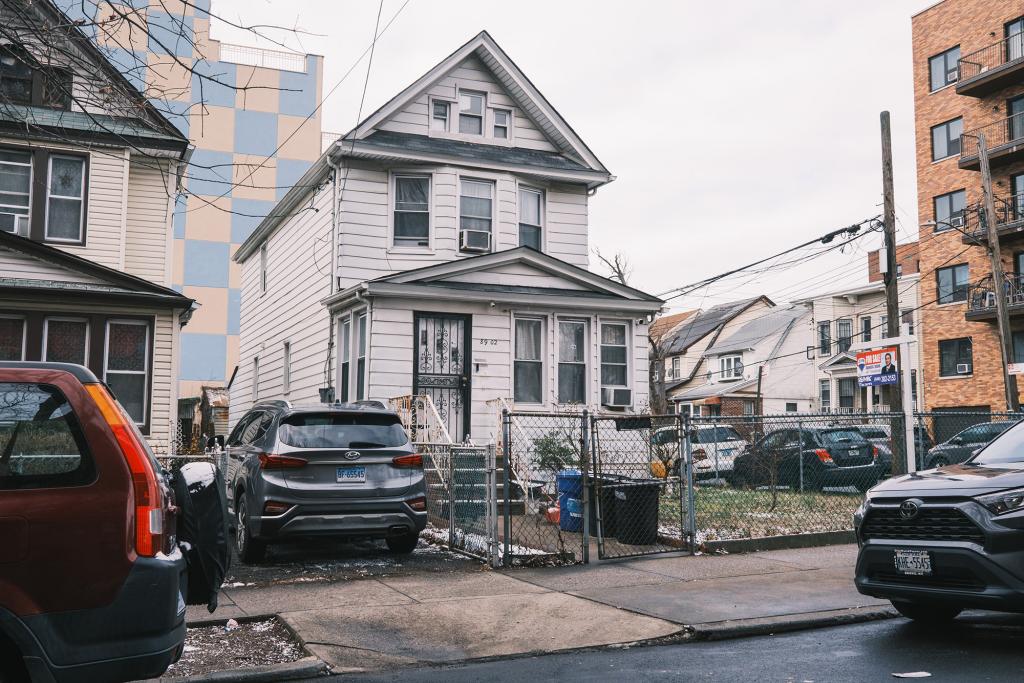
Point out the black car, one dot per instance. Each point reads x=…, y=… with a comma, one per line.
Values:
x=830, y=456
x=960, y=447
x=940, y=541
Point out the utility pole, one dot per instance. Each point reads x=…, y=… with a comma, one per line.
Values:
x=892, y=301
x=998, y=278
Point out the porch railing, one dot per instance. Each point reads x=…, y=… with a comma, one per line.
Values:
x=997, y=134
x=1009, y=49
x=982, y=296
x=420, y=418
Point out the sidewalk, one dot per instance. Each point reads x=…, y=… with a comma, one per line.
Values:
x=388, y=622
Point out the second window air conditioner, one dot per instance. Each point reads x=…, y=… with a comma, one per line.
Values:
x=963, y=368
x=616, y=398
x=475, y=240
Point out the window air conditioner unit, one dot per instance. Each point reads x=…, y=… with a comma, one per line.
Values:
x=956, y=221
x=951, y=76
x=475, y=240
x=616, y=398
x=963, y=368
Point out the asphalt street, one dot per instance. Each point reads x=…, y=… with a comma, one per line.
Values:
x=976, y=647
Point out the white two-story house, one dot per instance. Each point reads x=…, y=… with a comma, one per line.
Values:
x=88, y=176
x=440, y=248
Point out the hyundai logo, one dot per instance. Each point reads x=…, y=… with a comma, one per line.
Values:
x=352, y=455
x=909, y=509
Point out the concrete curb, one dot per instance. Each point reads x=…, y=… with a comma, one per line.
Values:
x=307, y=667
x=790, y=542
x=745, y=628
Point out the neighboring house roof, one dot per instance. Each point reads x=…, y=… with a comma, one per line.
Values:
x=666, y=323
x=702, y=323
x=858, y=290
x=771, y=324
x=715, y=389
x=57, y=122
x=103, y=282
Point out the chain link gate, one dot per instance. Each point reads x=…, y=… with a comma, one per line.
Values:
x=641, y=493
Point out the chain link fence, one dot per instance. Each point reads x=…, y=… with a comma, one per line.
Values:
x=461, y=501
x=948, y=437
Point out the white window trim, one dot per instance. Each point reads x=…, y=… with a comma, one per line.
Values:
x=81, y=213
x=452, y=106
x=629, y=352
x=59, y=318
x=31, y=186
x=545, y=373
x=362, y=314
x=728, y=362
x=24, y=331
x=393, y=196
x=145, y=370
x=587, y=370
x=677, y=367
x=264, y=267
x=523, y=187
x=487, y=118
x=286, y=366
x=493, y=182
x=344, y=356
x=485, y=95
x=492, y=138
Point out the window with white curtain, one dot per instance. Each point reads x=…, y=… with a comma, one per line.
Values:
x=15, y=191
x=614, y=355
x=530, y=218
x=572, y=363
x=344, y=356
x=361, y=357
x=471, y=112
x=528, y=370
x=476, y=205
x=730, y=367
x=412, y=211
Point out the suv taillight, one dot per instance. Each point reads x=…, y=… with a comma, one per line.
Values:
x=269, y=461
x=823, y=455
x=414, y=460
x=148, y=499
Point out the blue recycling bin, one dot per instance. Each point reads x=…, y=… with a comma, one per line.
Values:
x=570, y=500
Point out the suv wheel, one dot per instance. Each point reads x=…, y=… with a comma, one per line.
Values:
x=403, y=544
x=250, y=550
x=926, y=613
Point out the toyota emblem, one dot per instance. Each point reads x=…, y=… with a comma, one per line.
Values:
x=352, y=455
x=909, y=509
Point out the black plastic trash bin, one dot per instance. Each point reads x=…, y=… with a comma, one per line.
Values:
x=603, y=492
x=636, y=511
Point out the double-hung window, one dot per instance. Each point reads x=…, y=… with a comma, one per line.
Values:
x=12, y=337
x=476, y=212
x=126, y=366
x=572, y=364
x=949, y=210
x=344, y=356
x=943, y=68
x=66, y=340
x=439, y=114
x=502, y=121
x=730, y=367
x=824, y=338
x=865, y=328
x=471, y=112
x=528, y=370
x=65, y=199
x=847, y=391
x=614, y=355
x=956, y=357
x=946, y=139
x=677, y=364
x=907, y=318
x=412, y=211
x=15, y=191
x=825, y=394
x=952, y=283
x=844, y=334
x=530, y=218
x=361, y=357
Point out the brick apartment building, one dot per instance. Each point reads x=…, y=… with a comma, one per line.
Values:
x=968, y=78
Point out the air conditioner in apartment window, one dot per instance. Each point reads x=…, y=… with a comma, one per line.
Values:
x=957, y=221
x=951, y=76
x=963, y=368
x=616, y=398
x=475, y=240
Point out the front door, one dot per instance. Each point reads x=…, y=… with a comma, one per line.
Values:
x=442, y=367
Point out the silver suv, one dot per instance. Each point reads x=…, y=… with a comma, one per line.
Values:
x=343, y=470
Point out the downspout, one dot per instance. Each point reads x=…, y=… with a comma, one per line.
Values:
x=333, y=285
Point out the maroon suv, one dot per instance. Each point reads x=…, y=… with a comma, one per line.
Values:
x=92, y=583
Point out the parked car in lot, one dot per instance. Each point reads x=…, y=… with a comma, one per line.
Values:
x=961, y=445
x=830, y=456
x=940, y=541
x=714, y=449
x=92, y=583
x=344, y=470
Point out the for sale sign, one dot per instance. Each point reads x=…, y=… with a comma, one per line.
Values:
x=877, y=367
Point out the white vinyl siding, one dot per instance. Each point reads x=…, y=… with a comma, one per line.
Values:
x=147, y=246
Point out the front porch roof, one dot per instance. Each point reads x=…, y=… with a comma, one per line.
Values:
x=717, y=389
x=841, y=361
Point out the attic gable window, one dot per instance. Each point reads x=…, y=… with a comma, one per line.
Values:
x=471, y=112
x=502, y=119
x=439, y=114
x=23, y=83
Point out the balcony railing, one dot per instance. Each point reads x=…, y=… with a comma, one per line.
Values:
x=986, y=70
x=1003, y=138
x=981, y=298
x=1009, y=218
x=258, y=56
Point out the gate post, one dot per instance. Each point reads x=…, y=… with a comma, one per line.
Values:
x=686, y=449
x=800, y=450
x=506, y=446
x=452, y=504
x=584, y=470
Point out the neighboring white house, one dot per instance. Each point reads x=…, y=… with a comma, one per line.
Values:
x=759, y=367
x=441, y=248
x=851, y=315
x=89, y=172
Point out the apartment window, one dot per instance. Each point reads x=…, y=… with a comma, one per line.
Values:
x=748, y=408
x=476, y=205
x=949, y=210
x=956, y=357
x=412, y=211
x=952, y=283
x=12, y=338
x=65, y=199
x=530, y=218
x=943, y=68
x=255, y=378
x=907, y=317
x=361, y=357
x=865, y=329
x=614, y=363
x=263, y=268
x=825, y=393
x=791, y=407
x=126, y=365
x=15, y=191
x=824, y=338
x=471, y=113
x=572, y=364
x=286, y=367
x=439, y=114
x=66, y=340
x=528, y=367
x=946, y=139
x=844, y=334
x=502, y=120
x=677, y=370
x=847, y=391
x=345, y=356
x=1014, y=32
x=730, y=367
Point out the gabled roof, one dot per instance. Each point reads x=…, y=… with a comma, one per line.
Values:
x=839, y=360
x=666, y=323
x=715, y=389
x=703, y=323
x=768, y=326
x=102, y=283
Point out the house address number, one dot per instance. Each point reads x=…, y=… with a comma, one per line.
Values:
x=487, y=342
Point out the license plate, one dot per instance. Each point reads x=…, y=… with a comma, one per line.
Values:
x=854, y=452
x=913, y=562
x=351, y=475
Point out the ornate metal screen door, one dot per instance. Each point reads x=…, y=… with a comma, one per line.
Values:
x=442, y=367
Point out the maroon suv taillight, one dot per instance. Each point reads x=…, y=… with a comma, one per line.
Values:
x=418, y=504
x=269, y=461
x=408, y=461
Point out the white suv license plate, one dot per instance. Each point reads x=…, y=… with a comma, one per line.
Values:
x=913, y=562
x=352, y=475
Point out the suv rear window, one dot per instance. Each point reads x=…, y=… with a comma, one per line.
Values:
x=41, y=442
x=716, y=435
x=341, y=430
x=841, y=436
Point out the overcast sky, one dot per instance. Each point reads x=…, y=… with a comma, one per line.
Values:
x=735, y=129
